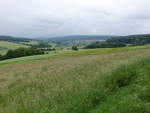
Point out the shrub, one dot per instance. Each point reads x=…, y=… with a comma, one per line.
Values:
x=75, y=48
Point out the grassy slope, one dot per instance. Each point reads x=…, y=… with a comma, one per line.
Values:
x=59, y=54
x=81, y=84
x=128, y=89
x=9, y=45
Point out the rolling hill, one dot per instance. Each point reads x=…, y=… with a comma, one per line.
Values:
x=122, y=41
x=9, y=42
x=132, y=39
x=14, y=39
x=112, y=80
x=80, y=40
x=109, y=80
x=5, y=45
x=77, y=38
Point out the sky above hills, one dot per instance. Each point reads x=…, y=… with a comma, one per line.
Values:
x=48, y=18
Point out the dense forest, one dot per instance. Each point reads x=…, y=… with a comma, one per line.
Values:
x=105, y=45
x=131, y=40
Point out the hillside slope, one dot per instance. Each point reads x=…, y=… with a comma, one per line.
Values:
x=78, y=37
x=132, y=39
x=9, y=42
x=13, y=39
x=81, y=84
x=5, y=45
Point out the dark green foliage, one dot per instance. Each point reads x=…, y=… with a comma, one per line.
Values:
x=122, y=41
x=42, y=45
x=21, y=52
x=75, y=48
x=132, y=39
x=47, y=49
x=105, y=45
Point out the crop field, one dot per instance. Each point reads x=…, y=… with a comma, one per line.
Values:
x=111, y=80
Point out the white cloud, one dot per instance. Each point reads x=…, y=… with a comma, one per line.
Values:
x=34, y=18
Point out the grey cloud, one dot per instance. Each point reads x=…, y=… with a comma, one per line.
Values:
x=99, y=11
x=47, y=18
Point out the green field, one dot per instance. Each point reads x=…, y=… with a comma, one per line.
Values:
x=111, y=80
x=67, y=53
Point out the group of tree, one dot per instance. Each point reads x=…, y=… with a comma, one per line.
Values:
x=132, y=39
x=42, y=45
x=122, y=41
x=21, y=52
x=75, y=48
x=105, y=45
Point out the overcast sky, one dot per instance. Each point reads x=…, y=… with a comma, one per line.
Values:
x=48, y=18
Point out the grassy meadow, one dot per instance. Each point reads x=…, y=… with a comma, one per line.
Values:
x=67, y=53
x=87, y=81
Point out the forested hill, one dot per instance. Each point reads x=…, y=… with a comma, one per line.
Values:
x=132, y=39
x=78, y=37
x=122, y=41
x=13, y=39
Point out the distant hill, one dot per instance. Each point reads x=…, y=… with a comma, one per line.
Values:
x=77, y=38
x=141, y=39
x=122, y=41
x=14, y=39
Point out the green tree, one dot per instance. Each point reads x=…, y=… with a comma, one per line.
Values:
x=20, y=52
x=75, y=48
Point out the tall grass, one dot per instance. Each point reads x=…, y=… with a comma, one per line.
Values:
x=83, y=84
x=129, y=87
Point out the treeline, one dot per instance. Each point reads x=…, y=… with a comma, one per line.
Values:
x=42, y=45
x=132, y=39
x=123, y=41
x=105, y=45
x=21, y=52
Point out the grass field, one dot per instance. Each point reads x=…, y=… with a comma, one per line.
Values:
x=60, y=53
x=87, y=81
